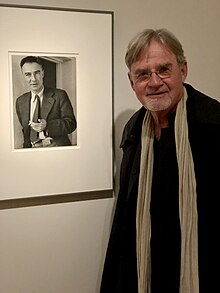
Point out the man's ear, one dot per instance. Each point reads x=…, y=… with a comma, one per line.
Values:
x=184, y=71
x=131, y=81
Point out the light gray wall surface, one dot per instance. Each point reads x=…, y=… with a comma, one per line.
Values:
x=60, y=248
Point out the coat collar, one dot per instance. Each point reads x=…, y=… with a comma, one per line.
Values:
x=132, y=129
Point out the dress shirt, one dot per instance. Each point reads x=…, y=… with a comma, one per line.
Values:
x=33, y=106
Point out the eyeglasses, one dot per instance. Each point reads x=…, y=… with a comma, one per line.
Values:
x=164, y=71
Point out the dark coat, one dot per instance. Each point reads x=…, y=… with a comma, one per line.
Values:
x=56, y=110
x=120, y=274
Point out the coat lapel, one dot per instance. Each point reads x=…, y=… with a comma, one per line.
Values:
x=48, y=102
x=135, y=170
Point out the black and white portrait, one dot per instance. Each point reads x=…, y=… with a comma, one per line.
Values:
x=44, y=100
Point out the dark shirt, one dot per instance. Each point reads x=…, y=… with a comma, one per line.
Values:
x=165, y=226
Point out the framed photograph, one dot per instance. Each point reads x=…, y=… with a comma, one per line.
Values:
x=62, y=58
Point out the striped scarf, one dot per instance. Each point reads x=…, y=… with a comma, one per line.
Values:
x=189, y=280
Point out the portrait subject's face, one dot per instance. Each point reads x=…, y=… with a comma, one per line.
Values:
x=33, y=74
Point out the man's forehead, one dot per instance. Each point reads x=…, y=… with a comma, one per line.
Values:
x=156, y=54
x=158, y=50
x=31, y=66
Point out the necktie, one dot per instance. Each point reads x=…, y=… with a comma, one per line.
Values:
x=33, y=134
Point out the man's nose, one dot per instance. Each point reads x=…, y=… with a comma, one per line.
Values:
x=33, y=76
x=154, y=79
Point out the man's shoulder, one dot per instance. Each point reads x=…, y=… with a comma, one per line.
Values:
x=54, y=90
x=55, y=93
x=202, y=107
x=192, y=91
x=23, y=97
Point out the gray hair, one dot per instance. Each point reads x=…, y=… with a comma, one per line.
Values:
x=142, y=40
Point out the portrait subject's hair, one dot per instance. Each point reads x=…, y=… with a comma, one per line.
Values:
x=32, y=59
x=141, y=41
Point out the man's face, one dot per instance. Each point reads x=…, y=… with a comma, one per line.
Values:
x=163, y=87
x=33, y=74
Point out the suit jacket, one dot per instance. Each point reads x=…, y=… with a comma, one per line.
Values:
x=56, y=110
x=120, y=268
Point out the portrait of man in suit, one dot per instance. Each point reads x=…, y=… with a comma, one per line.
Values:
x=46, y=114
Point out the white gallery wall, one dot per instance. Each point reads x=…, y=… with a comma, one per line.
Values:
x=60, y=248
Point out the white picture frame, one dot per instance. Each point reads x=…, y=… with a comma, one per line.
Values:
x=87, y=165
